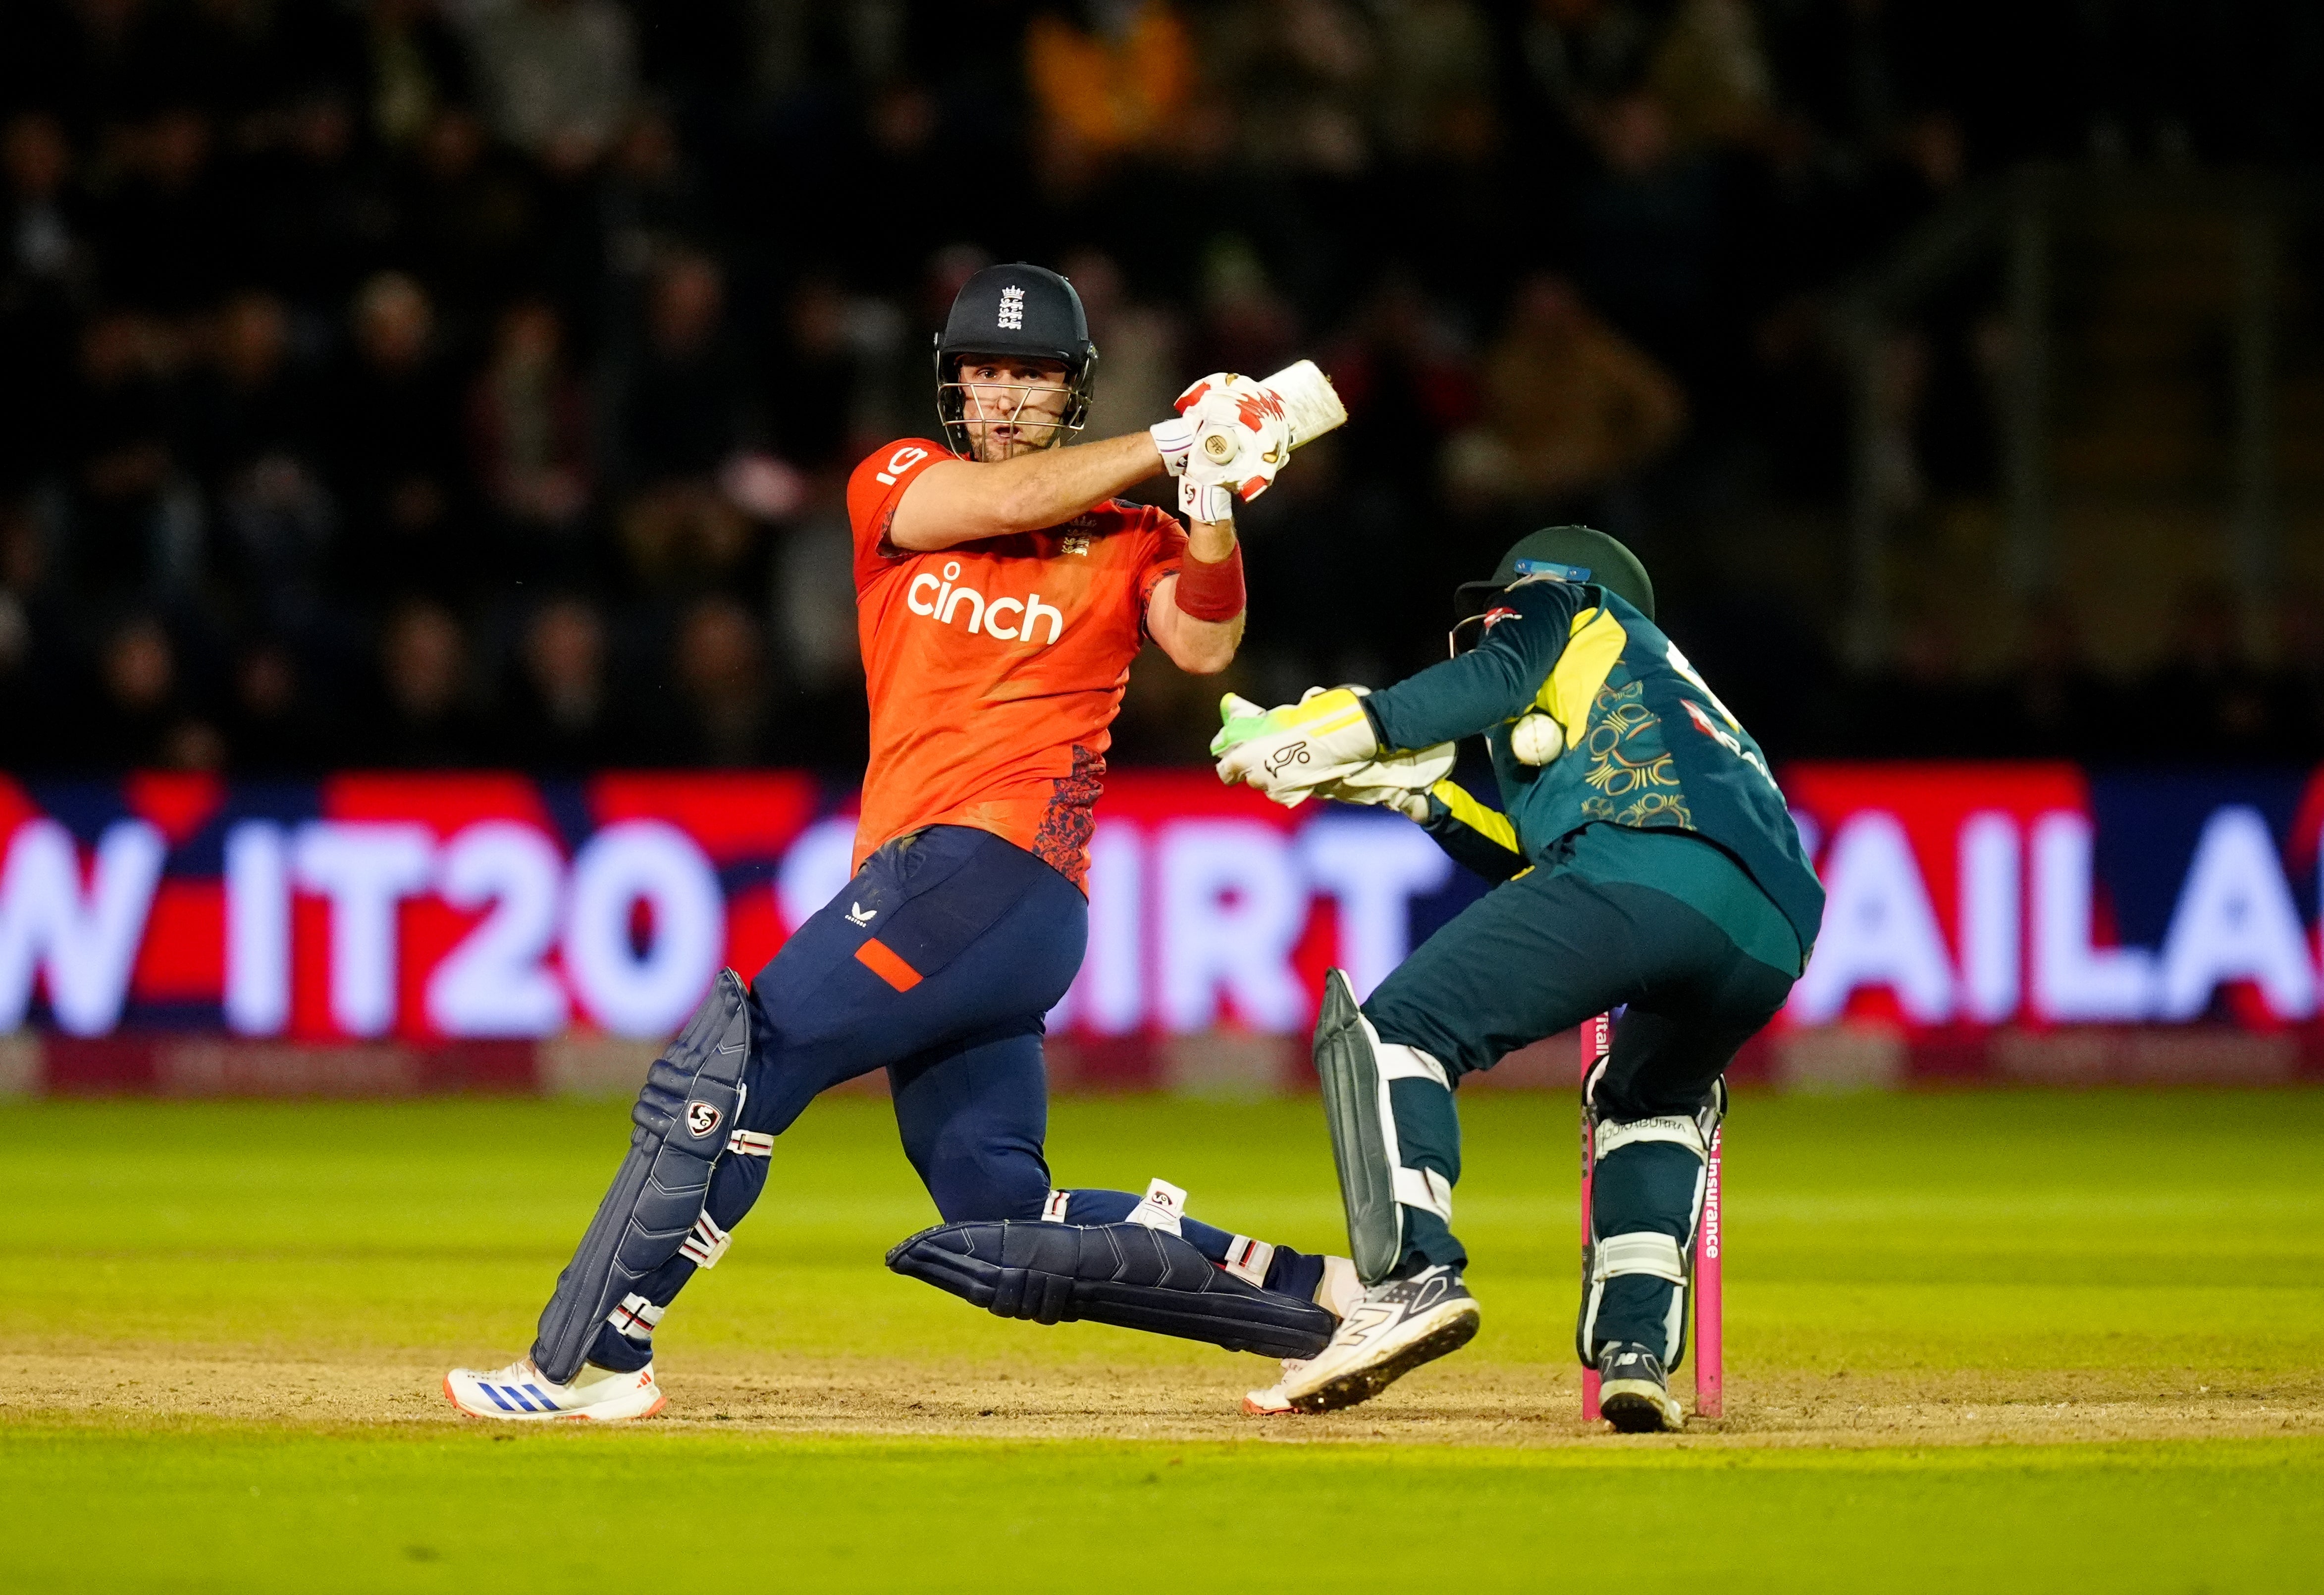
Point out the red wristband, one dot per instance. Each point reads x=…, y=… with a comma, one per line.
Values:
x=1211, y=590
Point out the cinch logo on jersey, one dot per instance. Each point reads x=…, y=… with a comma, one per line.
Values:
x=1012, y=308
x=1009, y=619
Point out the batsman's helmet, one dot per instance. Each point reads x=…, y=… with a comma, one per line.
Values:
x=1023, y=310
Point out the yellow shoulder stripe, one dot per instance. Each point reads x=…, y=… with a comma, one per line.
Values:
x=1491, y=824
x=1594, y=643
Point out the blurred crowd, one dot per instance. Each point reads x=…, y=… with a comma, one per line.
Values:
x=445, y=383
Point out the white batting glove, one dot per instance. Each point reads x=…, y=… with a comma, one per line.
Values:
x=1205, y=491
x=1173, y=440
x=1243, y=436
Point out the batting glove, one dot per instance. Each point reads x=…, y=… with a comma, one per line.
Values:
x=1242, y=436
x=1206, y=492
x=1287, y=753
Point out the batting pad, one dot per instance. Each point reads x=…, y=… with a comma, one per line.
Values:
x=1129, y=1275
x=684, y=1118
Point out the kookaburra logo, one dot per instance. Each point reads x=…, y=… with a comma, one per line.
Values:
x=1012, y=308
x=1284, y=757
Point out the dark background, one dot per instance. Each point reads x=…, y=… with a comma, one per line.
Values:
x=415, y=384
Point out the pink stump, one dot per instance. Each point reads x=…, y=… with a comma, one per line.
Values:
x=1710, y=1298
x=1597, y=1038
x=1710, y=1302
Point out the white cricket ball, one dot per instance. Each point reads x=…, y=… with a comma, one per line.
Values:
x=1537, y=739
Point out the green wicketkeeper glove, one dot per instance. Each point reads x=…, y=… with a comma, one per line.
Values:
x=1286, y=752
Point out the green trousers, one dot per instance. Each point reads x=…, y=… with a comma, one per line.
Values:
x=1660, y=924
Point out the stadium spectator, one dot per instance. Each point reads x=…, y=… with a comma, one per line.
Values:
x=257, y=450
x=272, y=726
x=529, y=437
x=426, y=718
x=394, y=448
x=417, y=66
x=559, y=75
x=465, y=214
x=1569, y=408
x=167, y=232
x=727, y=709
x=562, y=716
x=2208, y=689
x=2059, y=706
x=143, y=718
x=1139, y=341
x=310, y=309
x=687, y=402
x=1108, y=81
x=125, y=458
x=44, y=260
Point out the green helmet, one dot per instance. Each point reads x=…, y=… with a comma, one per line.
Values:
x=1585, y=554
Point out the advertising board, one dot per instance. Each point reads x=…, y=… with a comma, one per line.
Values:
x=2027, y=919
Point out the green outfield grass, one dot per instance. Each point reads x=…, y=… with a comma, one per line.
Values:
x=2004, y=1250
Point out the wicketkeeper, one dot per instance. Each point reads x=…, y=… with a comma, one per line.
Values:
x=1001, y=591
x=1645, y=862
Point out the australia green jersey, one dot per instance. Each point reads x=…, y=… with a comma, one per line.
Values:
x=1649, y=745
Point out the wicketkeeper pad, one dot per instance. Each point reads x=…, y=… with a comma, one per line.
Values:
x=683, y=1119
x=1131, y=1276
x=1363, y=1129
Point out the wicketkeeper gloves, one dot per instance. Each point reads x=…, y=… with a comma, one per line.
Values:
x=1295, y=748
x=1395, y=780
x=1398, y=781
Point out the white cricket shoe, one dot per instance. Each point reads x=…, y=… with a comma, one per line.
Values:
x=1394, y=1327
x=521, y=1392
x=1338, y=1294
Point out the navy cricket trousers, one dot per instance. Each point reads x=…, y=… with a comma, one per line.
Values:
x=937, y=964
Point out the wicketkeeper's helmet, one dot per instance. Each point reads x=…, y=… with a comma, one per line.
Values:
x=1582, y=553
x=1023, y=310
x=1574, y=554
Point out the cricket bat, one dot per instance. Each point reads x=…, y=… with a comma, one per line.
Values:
x=1311, y=407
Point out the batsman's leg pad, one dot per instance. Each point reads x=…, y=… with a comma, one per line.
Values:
x=682, y=1120
x=1129, y=1275
x=1646, y=1200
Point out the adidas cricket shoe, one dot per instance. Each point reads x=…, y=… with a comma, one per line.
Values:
x=1337, y=1293
x=520, y=1392
x=1392, y=1329
x=1633, y=1393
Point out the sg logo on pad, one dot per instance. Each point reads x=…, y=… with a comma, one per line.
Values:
x=701, y=1118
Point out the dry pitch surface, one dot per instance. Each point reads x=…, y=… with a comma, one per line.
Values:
x=2120, y=1292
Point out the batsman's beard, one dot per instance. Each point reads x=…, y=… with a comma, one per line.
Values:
x=993, y=436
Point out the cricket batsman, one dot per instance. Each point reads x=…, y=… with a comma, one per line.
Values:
x=1647, y=862
x=1001, y=591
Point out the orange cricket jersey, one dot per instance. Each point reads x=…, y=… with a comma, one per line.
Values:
x=995, y=668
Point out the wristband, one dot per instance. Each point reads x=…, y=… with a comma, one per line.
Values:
x=1211, y=590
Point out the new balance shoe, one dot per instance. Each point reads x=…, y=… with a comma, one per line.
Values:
x=1634, y=1392
x=520, y=1392
x=1392, y=1329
